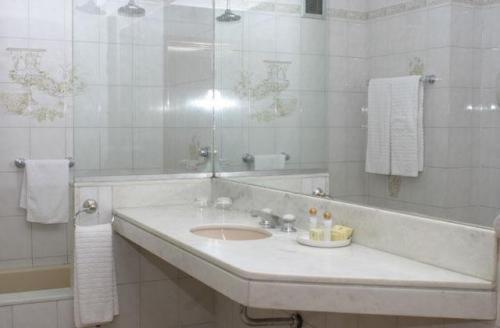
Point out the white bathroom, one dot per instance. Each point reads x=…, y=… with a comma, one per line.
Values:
x=249, y=163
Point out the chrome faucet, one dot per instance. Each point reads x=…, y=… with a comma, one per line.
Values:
x=268, y=220
x=318, y=192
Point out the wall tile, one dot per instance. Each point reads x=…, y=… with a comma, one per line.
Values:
x=14, y=143
x=197, y=302
x=374, y=321
x=47, y=19
x=127, y=259
x=159, y=304
x=6, y=317
x=116, y=148
x=48, y=143
x=314, y=33
x=40, y=315
x=413, y=322
x=15, y=238
x=65, y=314
x=14, y=18
x=87, y=148
x=49, y=240
x=341, y=320
x=153, y=268
x=129, y=300
x=148, y=148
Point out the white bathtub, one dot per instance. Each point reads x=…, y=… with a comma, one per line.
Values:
x=36, y=298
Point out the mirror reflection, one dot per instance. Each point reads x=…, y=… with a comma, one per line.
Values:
x=357, y=101
x=325, y=105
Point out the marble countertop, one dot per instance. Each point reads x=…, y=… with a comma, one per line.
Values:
x=281, y=259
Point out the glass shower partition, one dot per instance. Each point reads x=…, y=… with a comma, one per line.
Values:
x=146, y=103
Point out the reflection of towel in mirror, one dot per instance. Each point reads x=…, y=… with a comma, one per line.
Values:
x=270, y=162
x=395, y=126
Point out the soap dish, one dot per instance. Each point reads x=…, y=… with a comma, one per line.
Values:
x=303, y=239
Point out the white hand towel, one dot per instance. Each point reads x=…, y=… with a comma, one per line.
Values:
x=406, y=126
x=378, y=134
x=45, y=191
x=269, y=162
x=95, y=294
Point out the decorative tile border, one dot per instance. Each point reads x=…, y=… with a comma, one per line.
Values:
x=347, y=14
x=403, y=7
x=275, y=7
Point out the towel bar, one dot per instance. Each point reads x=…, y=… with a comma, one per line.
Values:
x=21, y=162
x=249, y=158
x=428, y=79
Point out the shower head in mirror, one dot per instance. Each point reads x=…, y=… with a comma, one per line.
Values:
x=228, y=15
x=131, y=9
x=90, y=7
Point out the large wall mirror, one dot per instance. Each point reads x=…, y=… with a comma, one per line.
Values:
x=292, y=95
x=264, y=92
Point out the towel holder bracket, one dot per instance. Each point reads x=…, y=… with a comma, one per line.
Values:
x=89, y=206
x=249, y=158
x=21, y=162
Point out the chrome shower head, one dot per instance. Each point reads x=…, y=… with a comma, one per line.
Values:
x=131, y=9
x=90, y=7
x=228, y=15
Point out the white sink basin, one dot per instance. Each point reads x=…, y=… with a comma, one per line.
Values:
x=231, y=232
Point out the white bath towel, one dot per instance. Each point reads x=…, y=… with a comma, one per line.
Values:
x=269, y=162
x=395, y=137
x=378, y=158
x=94, y=285
x=45, y=191
x=407, y=126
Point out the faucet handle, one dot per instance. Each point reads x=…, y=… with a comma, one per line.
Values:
x=266, y=218
x=288, y=223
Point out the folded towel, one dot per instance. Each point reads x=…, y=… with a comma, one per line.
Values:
x=395, y=144
x=270, y=162
x=95, y=295
x=406, y=126
x=378, y=134
x=45, y=191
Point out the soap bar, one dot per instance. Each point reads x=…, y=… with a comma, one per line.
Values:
x=340, y=232
x=316, y=234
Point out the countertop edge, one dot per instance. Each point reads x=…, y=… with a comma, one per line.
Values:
x=286, y=295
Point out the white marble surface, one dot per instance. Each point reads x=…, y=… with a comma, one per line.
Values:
x=280, y=274
x=280, y=258
x=462, y=248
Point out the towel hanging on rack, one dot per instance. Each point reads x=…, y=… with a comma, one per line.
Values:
x=45, y=191
x=395, y=126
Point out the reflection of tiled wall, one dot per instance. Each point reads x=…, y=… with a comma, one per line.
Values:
x=272, y=30
x=189, y=66
x=487, y=178
x=119, y=116
x=458, y=142
x=31, y=24
x=347, y=94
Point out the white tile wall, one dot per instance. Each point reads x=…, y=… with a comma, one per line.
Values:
x=152, y=293
x=47, y=25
